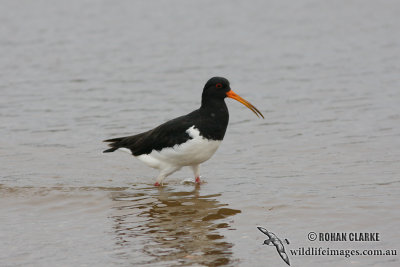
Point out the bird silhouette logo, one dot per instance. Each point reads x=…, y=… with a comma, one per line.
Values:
x=273, y=240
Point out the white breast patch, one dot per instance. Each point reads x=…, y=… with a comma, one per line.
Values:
x=192, y=152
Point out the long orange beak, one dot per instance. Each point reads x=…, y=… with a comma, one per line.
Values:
x=233, y=95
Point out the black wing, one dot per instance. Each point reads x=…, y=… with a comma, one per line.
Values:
x=168, y=134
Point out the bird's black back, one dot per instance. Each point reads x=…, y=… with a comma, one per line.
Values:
x=211, y=120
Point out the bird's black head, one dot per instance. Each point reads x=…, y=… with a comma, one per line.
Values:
x=217, y=88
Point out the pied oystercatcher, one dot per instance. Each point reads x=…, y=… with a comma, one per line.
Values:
x=188, y=140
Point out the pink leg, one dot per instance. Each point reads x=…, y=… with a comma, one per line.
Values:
x=157, y=184
x=198, y=181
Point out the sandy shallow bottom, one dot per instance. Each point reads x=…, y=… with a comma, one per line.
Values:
x=326, y=159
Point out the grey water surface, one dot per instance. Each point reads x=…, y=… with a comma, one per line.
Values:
x=326, y=159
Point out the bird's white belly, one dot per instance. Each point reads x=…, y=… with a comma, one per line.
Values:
x=192, y=152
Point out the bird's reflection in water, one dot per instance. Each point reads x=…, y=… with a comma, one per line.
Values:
x=167, y=226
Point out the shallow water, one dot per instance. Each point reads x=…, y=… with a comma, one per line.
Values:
x=325, y=159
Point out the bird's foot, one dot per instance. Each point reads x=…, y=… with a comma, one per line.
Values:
x=198, y=181
x=157, y=184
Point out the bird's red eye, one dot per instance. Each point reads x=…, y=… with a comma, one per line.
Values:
x=218, y=85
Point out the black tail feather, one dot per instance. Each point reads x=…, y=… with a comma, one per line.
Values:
x=115, y=143
x=125, y=142
x=114, y=140
x=110, y=150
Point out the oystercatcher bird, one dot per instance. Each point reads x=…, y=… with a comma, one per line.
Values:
x=188, y=140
